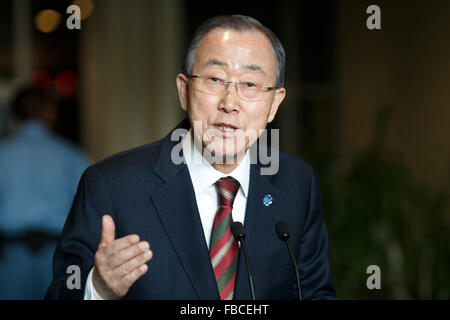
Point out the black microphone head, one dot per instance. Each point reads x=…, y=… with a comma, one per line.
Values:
x=282, y=230
x=238, y=230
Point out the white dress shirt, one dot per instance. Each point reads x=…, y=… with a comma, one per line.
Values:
x=203, y=177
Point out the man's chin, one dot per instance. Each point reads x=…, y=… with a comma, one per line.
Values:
x=223, y=157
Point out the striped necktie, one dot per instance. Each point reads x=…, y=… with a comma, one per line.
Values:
x=223, y=248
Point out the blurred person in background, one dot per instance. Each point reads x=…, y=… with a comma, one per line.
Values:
x=39, y=173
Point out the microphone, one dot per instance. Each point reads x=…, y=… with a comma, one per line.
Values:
x=239, y=234
x=282, y=230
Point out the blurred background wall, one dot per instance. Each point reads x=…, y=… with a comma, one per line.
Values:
x=129, y=56
x=403, y=67
x=369, y=109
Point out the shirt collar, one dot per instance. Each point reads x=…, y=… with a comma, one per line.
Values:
x=203, y=174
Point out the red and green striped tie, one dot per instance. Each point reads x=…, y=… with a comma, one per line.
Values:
x=223, y=248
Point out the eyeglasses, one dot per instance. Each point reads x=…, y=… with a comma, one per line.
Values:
x=246, y=90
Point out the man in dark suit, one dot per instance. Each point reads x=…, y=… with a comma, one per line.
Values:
x=154, y=222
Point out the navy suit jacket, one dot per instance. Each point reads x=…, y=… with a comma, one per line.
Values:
x=147, y=194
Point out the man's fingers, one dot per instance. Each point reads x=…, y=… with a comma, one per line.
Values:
x=135, y=274
x=126, y=254
x=132, y=264
x=119, y=244
x=108, y=229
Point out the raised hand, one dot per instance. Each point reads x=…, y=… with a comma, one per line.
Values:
x=118, y=262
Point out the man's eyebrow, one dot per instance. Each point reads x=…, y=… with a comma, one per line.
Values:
x=252, y=67
x=215, y=62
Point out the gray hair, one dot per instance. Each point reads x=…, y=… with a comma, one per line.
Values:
x=236, y=23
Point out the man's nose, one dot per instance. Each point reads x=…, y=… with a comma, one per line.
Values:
x=230, y=98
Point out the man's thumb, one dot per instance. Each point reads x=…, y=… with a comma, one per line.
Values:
x=108, y=230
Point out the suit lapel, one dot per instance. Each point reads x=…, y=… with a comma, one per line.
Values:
x=259, y=222
x=177, y=209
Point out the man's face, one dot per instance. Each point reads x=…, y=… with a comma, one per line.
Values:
x=225, y=117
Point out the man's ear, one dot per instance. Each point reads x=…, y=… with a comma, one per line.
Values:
x=182, y=85
x=277, y=99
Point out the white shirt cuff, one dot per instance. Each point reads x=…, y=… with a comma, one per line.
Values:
x=90, y=293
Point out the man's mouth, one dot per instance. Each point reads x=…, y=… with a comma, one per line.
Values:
x=225, y=127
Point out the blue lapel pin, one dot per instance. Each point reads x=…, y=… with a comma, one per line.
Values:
x=267, y=200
